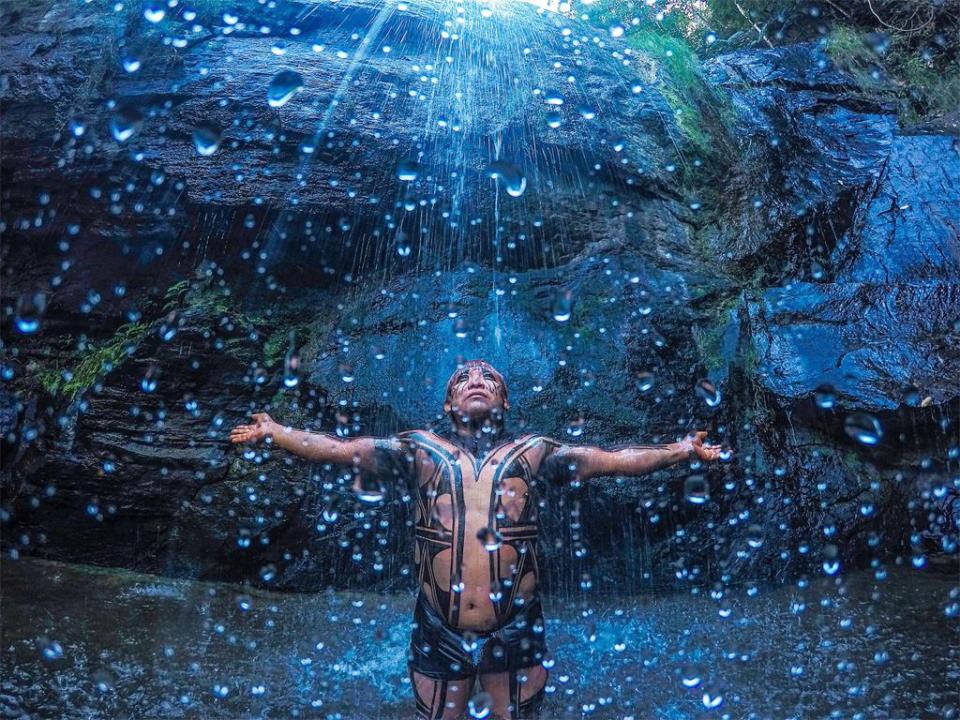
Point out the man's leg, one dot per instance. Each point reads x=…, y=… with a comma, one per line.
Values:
x=517, y=694
x=440, y=699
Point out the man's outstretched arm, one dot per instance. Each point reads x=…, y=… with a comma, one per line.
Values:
x=360, y=453
x=588, y=462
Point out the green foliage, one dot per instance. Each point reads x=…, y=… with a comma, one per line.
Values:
x=710, y=338
x=912, y=44
x=679, y=20
x=899, y=73
x=701, y=112
x=903, y=52
x=277, y=344
x=750, y=359
x=207, y=304
x=95, y=361
x=760, y=17
x=275, y=347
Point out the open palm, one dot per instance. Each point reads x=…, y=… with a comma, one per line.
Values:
x=263, y=425
x=707, y=453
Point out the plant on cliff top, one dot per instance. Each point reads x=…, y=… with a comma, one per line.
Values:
x=887, y=66
x=97, y=360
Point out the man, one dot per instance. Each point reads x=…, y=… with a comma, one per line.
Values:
x=475, y=493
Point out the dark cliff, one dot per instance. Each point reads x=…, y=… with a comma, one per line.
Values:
x=454, y=198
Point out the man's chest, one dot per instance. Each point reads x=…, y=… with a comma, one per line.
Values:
x=498, y=482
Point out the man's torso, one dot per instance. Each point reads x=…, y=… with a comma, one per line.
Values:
x=476, y=523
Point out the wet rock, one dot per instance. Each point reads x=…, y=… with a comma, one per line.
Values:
x=870, y=342
x=812, y=147
x=908, y=229
x=796, y=272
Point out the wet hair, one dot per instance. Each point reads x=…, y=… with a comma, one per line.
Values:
x=475, y=363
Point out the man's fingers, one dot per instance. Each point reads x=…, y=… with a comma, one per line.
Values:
x=701, y=434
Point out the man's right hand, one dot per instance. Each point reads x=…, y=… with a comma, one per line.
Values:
x=263, y=426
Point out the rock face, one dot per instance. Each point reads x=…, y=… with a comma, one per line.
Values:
x=410, y=206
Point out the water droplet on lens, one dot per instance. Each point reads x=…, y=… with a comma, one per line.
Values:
x=911, y=396
x=154, y=11
x=103, y=680
x=370, y=490
x=552, y=97
x=825, y=396
x=554, y=119
x=575, y=428
x=29, y=311
x=709, y=392
x=268, y=572
x=755, y=536
x=690, y=676
x=480, y=705
x=402, y=243
x=125, y=123
x=244, y=602
x=562, y=305
x=206, y=139
x=490, y=539
x=863, y=427
x=285, y=85
x=696, y=490
x=51, y=649
x=645, y=381
x=408, y=170
x=509, y=175
x=130, y=63
x=831, y=561
x=330, y=513
x=711, y=698
x=616, y=31
x=291, y=364
x=149, y=381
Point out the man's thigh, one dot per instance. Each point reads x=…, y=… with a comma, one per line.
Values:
x=440, y=699
x=516, y=694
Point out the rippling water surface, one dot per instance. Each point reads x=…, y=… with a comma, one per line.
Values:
x=81, y=641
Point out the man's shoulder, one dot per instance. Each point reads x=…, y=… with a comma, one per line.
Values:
x=417, y=437
x=529, y=439
x=433, y=438
x=414, y=433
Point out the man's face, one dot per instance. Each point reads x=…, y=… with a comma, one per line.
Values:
x=475, y=391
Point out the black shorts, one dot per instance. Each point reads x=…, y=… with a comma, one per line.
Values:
x=444, y=653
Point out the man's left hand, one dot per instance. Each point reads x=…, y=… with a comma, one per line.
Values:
x=694, y=445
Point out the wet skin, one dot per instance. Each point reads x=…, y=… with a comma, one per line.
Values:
x=462, y=499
